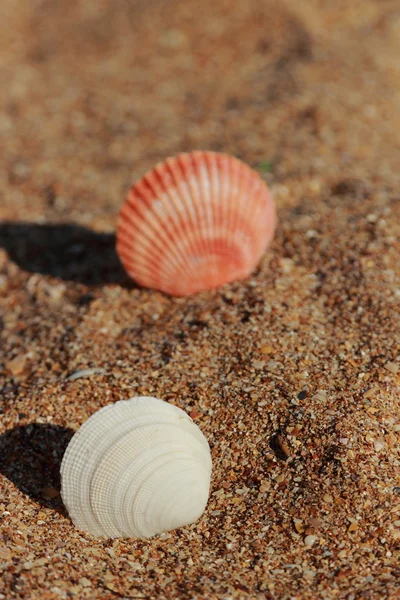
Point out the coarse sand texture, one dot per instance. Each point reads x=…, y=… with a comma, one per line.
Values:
x=292, y=373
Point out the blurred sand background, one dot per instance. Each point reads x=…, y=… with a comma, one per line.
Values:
x=292, y=375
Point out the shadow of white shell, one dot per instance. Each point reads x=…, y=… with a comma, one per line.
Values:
x=136, y=468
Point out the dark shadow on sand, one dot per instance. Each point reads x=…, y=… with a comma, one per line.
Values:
x=67, y=251
x=30, y=457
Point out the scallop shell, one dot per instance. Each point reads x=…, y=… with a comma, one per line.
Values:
x=195, y=222
x=136, y=468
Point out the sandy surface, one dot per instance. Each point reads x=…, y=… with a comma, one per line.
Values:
x=293, y=375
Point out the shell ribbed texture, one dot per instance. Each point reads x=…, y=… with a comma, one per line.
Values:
x=196, y=221
x=136, y=468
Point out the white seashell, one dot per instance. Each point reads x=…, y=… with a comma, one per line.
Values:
x=136, y=468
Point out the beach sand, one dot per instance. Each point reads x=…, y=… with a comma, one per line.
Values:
x=292, y=375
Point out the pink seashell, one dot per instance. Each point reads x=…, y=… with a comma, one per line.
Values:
x=195, y=222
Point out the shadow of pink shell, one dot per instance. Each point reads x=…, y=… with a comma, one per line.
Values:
x=195, y=222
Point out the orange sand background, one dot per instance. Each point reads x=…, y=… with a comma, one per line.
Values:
x=292, y=375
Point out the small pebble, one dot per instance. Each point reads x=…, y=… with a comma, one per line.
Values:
x=267, y=349
x=85, y=373
x=258, y=364
x=17, y=365
x=299, y=525
x=392, y=367
x=5, y=553
x=379, y=445
x=309, y=540
x=317, y=523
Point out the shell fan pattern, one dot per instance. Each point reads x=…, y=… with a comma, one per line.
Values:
x=195, y=222
x=136, y=468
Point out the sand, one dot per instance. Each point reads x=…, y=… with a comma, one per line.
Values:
x=293, y=375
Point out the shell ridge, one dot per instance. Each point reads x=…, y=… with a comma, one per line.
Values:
x=195, y=456
x=235, y=176
x=243, y=241
x=127, y=489
x=188, y=176
x=154, y=230
x=215, y=206
x=154, y=235
x=264, y=214
x=181, y=224
x=198, y=184
x=148, y=255
x=174, y=500
x=185, y=206
x=159, y=233
x=159, y=193
x=205, y=192
x=193, y=505
x=127, y=246
x=141, y=493
x=227, y=186
x=195, y=244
